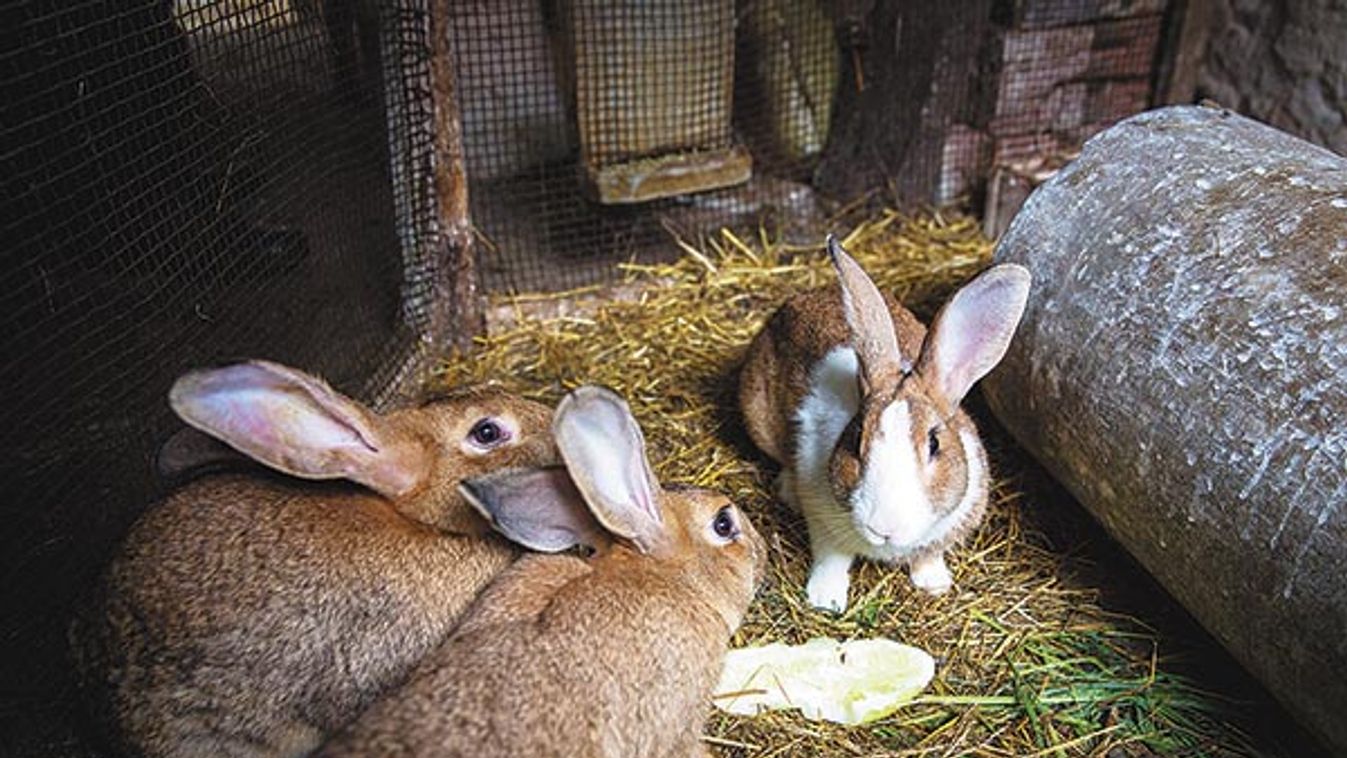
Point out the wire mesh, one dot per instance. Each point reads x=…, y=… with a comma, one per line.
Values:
x=554, y=94
x=184, y=183
x=558, y=97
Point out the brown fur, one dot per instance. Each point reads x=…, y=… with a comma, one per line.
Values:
x=251, y=614
x=615, y=656
x=775, y=376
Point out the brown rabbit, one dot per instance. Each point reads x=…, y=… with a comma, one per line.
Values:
x=860, y=406
x=611, y=656
x=252, y=614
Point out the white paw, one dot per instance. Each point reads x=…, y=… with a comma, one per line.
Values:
x=785, y=489
x=931, y=576
x=827, y=588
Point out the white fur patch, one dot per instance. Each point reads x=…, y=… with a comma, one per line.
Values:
x=891, y=499
x=822, y=416
x=829, y=579
x=890, y=505
x=930, y=574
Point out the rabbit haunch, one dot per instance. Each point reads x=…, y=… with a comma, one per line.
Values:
x=846, y=389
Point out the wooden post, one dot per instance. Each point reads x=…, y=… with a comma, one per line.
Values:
x=905, y=81
x=456, y=313
x=1189, y=32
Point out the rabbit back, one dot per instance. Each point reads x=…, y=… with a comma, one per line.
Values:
x=614, y=655
x=224, y=626
x=565, y=657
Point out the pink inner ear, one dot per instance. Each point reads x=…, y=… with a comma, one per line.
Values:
x=290, y=426
x=276, y=420
x=973, y=332
x=605, y=454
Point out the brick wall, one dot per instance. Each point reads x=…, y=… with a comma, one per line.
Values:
x=1065, y=70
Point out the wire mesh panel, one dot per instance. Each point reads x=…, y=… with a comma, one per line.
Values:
x=1069, y=69
x=411, y=137
x=184, y=183
x=653, y=91
x=565, y=101
x=786, y=82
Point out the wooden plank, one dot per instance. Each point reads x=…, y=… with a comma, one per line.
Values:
x=1060, y=79
x=907, y=79
x=1038, y=67
x=1124, y=48
x=1030, y=14
x=1182, y=58
x=456, y=306
x=1109, y=100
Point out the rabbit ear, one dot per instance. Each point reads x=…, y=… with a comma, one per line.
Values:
x=605, y=454
x=190, y=450
x=971, y=333
x=872, y=334
x=539, y=509
x=296, y=423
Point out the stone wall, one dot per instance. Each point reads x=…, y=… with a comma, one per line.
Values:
x=1280, y=61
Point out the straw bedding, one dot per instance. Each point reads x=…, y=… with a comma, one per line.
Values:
x=1031, y=661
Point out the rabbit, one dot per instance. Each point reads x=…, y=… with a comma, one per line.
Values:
x=614, y=655
x=191, y=452
x=860, y=407
x=251, y=613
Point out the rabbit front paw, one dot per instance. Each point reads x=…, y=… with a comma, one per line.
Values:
x=930, y=574
x=828, y=583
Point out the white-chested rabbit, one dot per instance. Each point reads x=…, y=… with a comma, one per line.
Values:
x=860, y=406
x=564, y=656
x=254, y=613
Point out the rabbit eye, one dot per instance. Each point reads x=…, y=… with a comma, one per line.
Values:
x=851, y=438
x=487, y=433
x=724, y=525
x=932, y=443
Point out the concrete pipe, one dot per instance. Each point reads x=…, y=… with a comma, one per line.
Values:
x=1182, y=369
